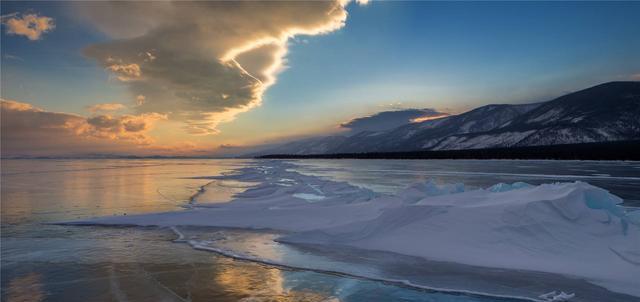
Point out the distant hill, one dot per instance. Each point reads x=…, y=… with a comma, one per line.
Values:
x=606, y=112
x=314, y=145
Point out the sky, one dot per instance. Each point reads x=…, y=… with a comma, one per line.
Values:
x=194, y=78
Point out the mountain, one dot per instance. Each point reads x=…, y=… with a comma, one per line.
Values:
x=606, y=112
x=427, y=134
x=314, y=145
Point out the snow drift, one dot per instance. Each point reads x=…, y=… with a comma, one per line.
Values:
x=574, y=229
x=570, y=228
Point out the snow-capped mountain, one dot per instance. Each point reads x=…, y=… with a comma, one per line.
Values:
x=607, y=112
x=428, y=134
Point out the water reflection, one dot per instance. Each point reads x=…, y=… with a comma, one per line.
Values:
x=262, y=285
x=41, y=190
x=59, y=263
x=26, y=288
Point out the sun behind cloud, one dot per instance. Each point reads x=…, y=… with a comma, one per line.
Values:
x=203, y=63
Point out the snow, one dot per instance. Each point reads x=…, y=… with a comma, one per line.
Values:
x=556, y=297
x=504, y=139
x=569, y=228
x=409, y=134
x=550, y=115
x=503, y=187
x=430, y=143
x=465, y=128
x=573, y=228
x=308, y=196
x=577, y=119
x=418, y=191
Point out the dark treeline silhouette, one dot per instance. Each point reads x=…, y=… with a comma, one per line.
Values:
x=621, y=150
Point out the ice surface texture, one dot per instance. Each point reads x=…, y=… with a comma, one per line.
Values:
x=572, y=228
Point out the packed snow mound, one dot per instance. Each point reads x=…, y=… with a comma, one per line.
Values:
x=568, y=228
x=421, y=190
x=280, y=200
x=556, y=297
x=573, y=229
x=503, y=187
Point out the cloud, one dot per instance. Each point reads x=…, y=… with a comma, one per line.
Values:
x=105, y=107
x=203, y=63
x=123, y=127
x=390, y=119
x=27, y=129
x=635, y=77
x=125, y=72
x=425, y=118
x=31, y=26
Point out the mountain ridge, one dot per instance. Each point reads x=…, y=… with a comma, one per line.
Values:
x=602, y=113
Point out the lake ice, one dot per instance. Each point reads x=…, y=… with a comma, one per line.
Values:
x=570, y=228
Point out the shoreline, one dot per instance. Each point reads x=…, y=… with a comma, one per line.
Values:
x=607, y=151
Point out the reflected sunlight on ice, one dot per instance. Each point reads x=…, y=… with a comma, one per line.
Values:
x=570, y=228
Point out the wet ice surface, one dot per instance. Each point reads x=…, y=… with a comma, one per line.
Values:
x=389, y=176
x=44, y=262
x=143, y=264
x=270, y=205
x=397, y=269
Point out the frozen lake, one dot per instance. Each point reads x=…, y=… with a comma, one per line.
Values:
x=71, y=263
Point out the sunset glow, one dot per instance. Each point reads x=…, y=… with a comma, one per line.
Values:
x=188, y=78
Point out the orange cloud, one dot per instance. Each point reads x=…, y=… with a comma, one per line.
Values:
x=31, y=26
x=105, y=107
x=12, y=105
x=123, y=127
x=428, y=118
x=125, y=72
x=27, y=129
